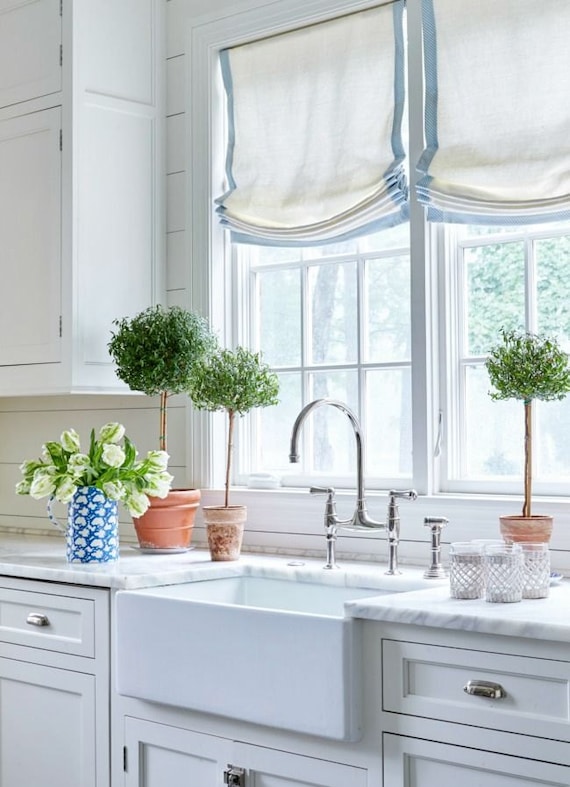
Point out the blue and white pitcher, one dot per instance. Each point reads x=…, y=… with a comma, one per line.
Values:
x=92, y=534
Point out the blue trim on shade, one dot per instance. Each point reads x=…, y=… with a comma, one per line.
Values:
x=430, y=91
x=229, y=88
x=494, y=219
x=394, y=177
x=392, y=220
x=399, y=81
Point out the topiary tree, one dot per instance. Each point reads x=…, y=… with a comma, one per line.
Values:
x=526, y=366
x=156, y=350
x=234, y=381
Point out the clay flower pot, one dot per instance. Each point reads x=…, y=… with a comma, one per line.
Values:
x=535, y=529
x=169, y=521
x=224, y=528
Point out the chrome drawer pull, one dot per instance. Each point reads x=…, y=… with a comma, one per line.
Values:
x=483, y=688
x=37, y=619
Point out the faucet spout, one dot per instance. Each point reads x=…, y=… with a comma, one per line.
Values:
x=360, y=517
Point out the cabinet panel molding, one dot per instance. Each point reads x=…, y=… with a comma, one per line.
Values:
x=30, y=51
x=30, y=228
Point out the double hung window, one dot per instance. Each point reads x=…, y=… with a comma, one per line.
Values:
x=359, y=317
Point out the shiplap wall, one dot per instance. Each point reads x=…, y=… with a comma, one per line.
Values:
x=27, y=422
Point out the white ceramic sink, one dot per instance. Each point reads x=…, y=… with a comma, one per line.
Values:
x=271, y=651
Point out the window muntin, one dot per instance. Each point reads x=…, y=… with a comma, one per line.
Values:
x=332, y=321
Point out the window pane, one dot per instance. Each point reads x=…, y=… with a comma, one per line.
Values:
x=280, y=316
x=553, y=285
x=333, y=313
x=333, y=444
x=387, y=308
x=552, y=449
x=266, y=255
x=341, y=248
x=394, y=238
x=276, y=423
x=494, y=439
x=389, y=419
x=495, y=293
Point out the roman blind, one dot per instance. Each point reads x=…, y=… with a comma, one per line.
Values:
x=497, y=119
x=314, y=144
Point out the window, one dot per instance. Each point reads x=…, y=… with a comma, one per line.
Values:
x=516, y=278
x=333, y=321
x=336, y=321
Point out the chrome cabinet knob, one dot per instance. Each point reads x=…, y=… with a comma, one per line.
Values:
x=37, y=619
x=483, y=688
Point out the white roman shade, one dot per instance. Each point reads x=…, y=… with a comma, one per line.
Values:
x=497, y=117
x=315, y=151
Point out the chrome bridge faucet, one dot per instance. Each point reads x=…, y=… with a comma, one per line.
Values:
x=360, y=520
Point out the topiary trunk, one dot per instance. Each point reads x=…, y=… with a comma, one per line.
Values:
x=162, y=437
x=527, y=457
x=230, y=448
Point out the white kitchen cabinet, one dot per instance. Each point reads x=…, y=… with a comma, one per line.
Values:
x=54, y=685
x=30, y=57
x=159, y=754
x=81, y=196
x=473, y=709
x=409, y=762
x=30, y=228
x=48, y=729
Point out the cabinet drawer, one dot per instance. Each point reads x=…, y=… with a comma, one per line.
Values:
x=50, y=622
x=429, y=680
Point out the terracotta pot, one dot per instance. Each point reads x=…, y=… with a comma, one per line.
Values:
x=535, y=529
x=224, y=528
x=168, y=522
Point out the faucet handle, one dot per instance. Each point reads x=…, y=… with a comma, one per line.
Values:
x=406, y=494
x=323, y=490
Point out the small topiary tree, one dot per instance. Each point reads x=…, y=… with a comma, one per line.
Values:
x=234, y=381
x=156, y=350
x=526, y=366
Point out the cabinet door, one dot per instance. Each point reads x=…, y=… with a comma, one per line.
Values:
x=47, y=729
x=30, y=37
x=272, y=768
x=410, y=762
x=158, y=755
x=30, y=229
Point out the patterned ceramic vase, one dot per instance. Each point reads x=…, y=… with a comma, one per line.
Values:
x=92, y=527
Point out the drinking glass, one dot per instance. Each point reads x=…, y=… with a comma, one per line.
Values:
x=536, y=570
x=465, y=570
x=503, y=571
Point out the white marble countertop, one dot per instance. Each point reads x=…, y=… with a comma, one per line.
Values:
x=43, y=558
x=546, y=618
x=425, y=602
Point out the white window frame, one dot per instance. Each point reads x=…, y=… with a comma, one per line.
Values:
x=293, y=518
x=452, y=390
x=246, y=331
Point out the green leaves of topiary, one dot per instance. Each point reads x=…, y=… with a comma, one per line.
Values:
x=156, y=350
x=526, y=366
x=235, y=381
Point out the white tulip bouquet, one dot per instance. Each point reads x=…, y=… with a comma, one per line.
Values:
x=110, y=465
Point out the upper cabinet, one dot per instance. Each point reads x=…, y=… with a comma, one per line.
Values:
x=30, y=31
x=81, y=198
